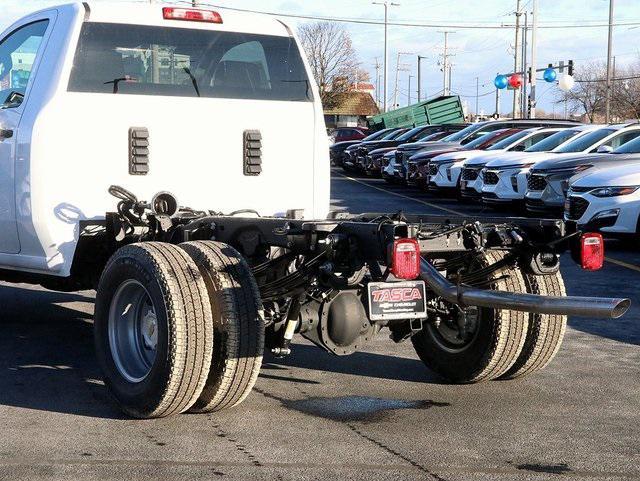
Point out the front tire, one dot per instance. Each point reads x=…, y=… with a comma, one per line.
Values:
x=497, y=339
x=153, y=329
x=237, y=321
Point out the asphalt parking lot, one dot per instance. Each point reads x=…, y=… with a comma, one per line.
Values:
x=379, y=414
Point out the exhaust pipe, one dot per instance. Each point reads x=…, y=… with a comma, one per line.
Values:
x=570, y=305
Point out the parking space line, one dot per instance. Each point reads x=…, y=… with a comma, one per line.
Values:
x=633, y=267
x=451, y=211
x=429, y=204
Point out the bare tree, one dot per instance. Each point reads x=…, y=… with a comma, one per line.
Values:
x=332, y=58
x=626, y=92
x=588, y=95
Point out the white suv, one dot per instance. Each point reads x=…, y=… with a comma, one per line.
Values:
x=448, y=166
x=471, y=179
x=606, y=199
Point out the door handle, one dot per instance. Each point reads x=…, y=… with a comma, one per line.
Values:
x=6, y=134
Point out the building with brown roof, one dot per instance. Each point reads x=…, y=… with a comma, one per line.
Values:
x=351, y=110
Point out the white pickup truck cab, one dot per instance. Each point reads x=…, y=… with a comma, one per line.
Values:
x=80, y=82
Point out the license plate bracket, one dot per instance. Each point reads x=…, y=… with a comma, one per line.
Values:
x=397, y=300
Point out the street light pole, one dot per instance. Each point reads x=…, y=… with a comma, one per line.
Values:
x=420, y=57
x=607, y=117
x=386, y=6
x=409, y=90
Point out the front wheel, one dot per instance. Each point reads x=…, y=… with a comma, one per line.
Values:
x=153, y=329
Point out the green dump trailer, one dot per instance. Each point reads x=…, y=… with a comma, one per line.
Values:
x=441, y=110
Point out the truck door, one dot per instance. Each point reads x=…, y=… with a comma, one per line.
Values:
x=18, y=53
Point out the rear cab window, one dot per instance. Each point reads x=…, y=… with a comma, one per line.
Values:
x=150, y=60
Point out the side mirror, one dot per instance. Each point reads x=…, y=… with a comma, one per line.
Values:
x=604, y=149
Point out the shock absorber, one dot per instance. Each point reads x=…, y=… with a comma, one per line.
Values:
x=293, y=315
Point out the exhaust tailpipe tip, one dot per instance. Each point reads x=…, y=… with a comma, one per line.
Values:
x=568, y=305
x=621, y=308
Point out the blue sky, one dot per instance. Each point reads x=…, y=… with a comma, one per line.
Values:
x=480, y=53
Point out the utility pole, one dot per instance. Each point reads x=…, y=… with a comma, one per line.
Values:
x=613, y=78
x=525, y=46
x=386, y=56
x=607, y=116
x=445, y=66
x=395, y=89
x=516, y=60
x=420, y=57
x=377, y=66
x=446, y=70
x=477, y=96
x=398, y=69
x=409, y=91
x=534, y=54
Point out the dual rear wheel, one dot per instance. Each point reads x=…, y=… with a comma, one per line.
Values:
x=484, y=344
x=178, y=328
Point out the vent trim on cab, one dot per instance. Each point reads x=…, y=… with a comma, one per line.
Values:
x=252, y=152
x=138, y=151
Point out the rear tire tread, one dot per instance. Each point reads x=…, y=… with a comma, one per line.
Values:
x=189, y=331
x=238, y=325
x=546, y=331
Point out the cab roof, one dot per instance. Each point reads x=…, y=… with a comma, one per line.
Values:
x=152, y=14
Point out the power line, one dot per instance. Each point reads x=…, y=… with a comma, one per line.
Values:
x=490, y=92
x=365, y=21
x=632, y=77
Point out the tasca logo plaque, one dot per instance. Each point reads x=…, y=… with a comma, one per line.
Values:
x=397, y=300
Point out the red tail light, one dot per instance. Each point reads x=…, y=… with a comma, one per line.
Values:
x=405, y=259
x=191, y=15
x=592, y=251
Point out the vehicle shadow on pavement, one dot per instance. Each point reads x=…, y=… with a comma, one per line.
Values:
x=366, y=364
x=47, y=359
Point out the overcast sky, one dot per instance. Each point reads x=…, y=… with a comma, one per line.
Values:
x=478, y=53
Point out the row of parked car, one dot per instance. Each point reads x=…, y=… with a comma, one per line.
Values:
x=587, y=173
